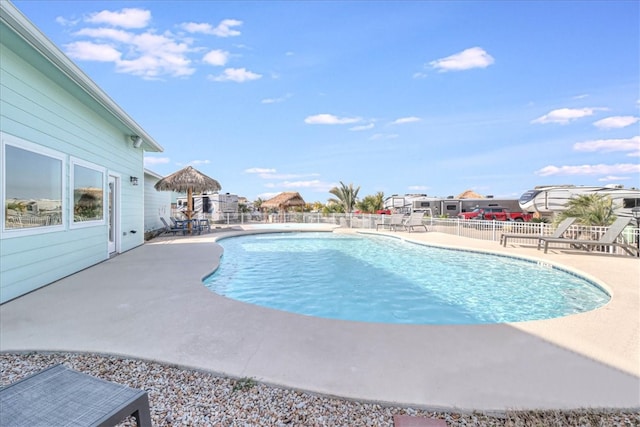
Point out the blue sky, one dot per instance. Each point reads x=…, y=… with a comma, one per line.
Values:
x=401, y=97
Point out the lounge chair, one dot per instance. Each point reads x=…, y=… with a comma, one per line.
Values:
x=609, y=238
x=172, y=229
x=414, y=220
x=395, y=220
x=560, y=230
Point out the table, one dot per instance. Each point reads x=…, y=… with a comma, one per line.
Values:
x=59, y=396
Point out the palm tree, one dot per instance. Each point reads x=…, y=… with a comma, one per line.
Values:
x=371, y=204
x=590, y=209
x=346, y=196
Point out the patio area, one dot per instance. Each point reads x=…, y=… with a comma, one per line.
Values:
x=150, y=303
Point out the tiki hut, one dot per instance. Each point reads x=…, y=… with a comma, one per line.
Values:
x=188, y=180
x=283, y=201
x=469, y=194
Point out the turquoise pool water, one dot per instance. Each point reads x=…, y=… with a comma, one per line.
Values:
x=382, y=279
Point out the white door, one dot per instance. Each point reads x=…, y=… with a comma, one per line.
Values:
x=114, y=214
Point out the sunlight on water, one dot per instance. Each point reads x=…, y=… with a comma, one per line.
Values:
x=382, y=279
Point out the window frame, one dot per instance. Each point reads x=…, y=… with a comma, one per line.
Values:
x=22, y=144
x=73, y=161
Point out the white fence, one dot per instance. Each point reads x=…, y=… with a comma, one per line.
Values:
x=475, y=229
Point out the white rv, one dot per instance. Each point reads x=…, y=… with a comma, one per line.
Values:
x=439, y=206
x=217, y=207
x=549, y=200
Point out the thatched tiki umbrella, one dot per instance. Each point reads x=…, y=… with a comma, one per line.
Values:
x=469, y=194
x=283, y=201
x=188, y=180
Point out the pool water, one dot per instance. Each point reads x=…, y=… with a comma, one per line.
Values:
x=382, y=279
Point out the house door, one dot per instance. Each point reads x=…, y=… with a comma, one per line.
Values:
x=114, y=214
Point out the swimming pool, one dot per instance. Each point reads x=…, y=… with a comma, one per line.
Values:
x=382, y=279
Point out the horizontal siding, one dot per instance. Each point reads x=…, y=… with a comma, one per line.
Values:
x=35, y=109
x=156, y=204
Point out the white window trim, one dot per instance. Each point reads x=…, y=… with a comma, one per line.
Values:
x=7, y=139
x=72, y=224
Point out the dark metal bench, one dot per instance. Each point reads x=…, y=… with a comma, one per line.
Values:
x=59, y=396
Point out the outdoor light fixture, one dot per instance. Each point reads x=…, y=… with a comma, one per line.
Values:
x=133, y=180
x=137, y=141
x=636, y=215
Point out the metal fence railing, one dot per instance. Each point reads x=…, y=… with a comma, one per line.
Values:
x=474, y=229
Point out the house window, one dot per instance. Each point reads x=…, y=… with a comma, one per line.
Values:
x=88, y=193
x=33, y=190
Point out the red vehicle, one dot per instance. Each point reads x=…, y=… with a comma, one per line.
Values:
x=495, y=213
x=378, y=212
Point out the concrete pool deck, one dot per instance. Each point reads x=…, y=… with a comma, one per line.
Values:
x=150, y=303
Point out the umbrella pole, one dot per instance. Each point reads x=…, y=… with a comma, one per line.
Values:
x=189, y=207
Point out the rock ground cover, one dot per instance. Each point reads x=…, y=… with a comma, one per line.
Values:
x=182, y=397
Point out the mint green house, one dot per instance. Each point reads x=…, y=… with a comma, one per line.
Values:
x=71, y=164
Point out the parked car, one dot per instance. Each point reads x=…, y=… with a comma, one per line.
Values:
x=495, y=213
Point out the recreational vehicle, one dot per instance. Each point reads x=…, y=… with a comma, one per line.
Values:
x=450, y=207
x=216, y=207
x=549, y=200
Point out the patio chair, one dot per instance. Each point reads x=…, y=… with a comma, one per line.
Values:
x=60, y=396
x=414, y=220
x=203, y=225
x=609, y=238
x=395, y=220
x=559, y=231
x=171, y=229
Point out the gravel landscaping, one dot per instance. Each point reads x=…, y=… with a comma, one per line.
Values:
x=181, y=397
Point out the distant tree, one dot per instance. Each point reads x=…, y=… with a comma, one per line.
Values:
x=331, y=208
x=258, y=203
x=590, y=209
x=371, y=203
x=346, y=196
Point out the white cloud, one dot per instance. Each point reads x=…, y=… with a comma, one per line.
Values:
x=419, y=75
x=88, y=51
x=610, y=145
x=474, y=57
x=330, y=119
x=216, y=57
x=200, y=162
x=146, y=54
x=149, y=161
x=362, y=127
x=612, y=178
x=238, y=75
x=616, y=122
x=224, y=28
x=120, y=36
x=125, y=18
x=259, y=170
x=566, y=115
x=417, y=188
x=404, y=120
x=601, y=169
x=276, y=100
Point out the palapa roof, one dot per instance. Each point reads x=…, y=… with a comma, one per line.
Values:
x=187, y=179
x=469, y=194
x=284, y=200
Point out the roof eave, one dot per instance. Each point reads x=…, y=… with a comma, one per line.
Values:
x=24, y=28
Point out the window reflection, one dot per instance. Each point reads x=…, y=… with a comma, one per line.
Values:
x=87, y=194
x=33, y=189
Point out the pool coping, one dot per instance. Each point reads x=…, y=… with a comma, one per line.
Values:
x=149, y=303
